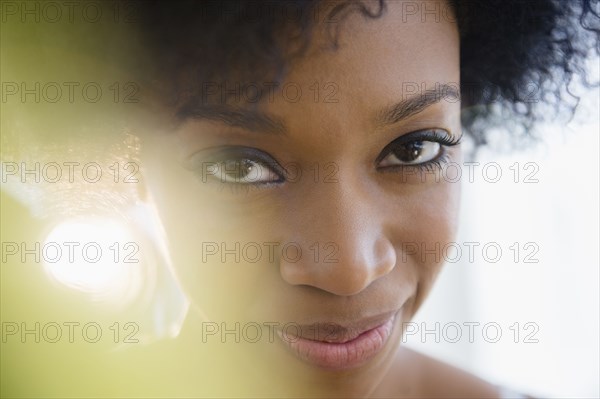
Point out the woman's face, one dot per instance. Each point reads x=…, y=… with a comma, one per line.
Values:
x=321, y=207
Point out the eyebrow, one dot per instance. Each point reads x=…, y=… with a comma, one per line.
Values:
x=413, y=105
x=252, y=120
x=261, y=122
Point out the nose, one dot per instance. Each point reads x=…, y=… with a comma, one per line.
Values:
x=340, y=241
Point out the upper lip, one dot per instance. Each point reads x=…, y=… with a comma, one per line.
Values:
x=334, y=332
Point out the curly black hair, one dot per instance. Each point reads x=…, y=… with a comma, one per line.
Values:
x=516, y=55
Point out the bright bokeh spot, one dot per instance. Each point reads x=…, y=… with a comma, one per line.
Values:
x=98, y=257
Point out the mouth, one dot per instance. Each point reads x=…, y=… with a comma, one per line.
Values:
x=334, y=346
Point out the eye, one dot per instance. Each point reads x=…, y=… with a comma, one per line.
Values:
x=416, y=148
x=236, y=165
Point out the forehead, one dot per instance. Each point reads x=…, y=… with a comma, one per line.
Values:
x=377, y=62
x=410, y=42
x=398, y=49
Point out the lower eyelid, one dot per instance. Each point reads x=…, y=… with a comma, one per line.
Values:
x=437, y=162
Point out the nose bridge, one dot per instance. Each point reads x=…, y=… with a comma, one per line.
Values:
x=344, y=248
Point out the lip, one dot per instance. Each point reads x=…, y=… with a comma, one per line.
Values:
x=334, y=346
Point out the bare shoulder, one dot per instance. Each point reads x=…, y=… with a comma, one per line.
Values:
x=415, y=375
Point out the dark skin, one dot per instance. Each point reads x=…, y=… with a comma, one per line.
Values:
x=373, y=204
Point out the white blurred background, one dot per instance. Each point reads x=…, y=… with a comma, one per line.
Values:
x=559, y=295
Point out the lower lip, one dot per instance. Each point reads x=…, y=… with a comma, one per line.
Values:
x=341, y=356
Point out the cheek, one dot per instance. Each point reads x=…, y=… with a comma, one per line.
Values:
x=427, y=230
x=220, y=263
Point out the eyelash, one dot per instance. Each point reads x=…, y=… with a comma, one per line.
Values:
x=432, y=165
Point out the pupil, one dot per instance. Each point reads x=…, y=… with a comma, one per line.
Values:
x=409, y=152
x=238, y=169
